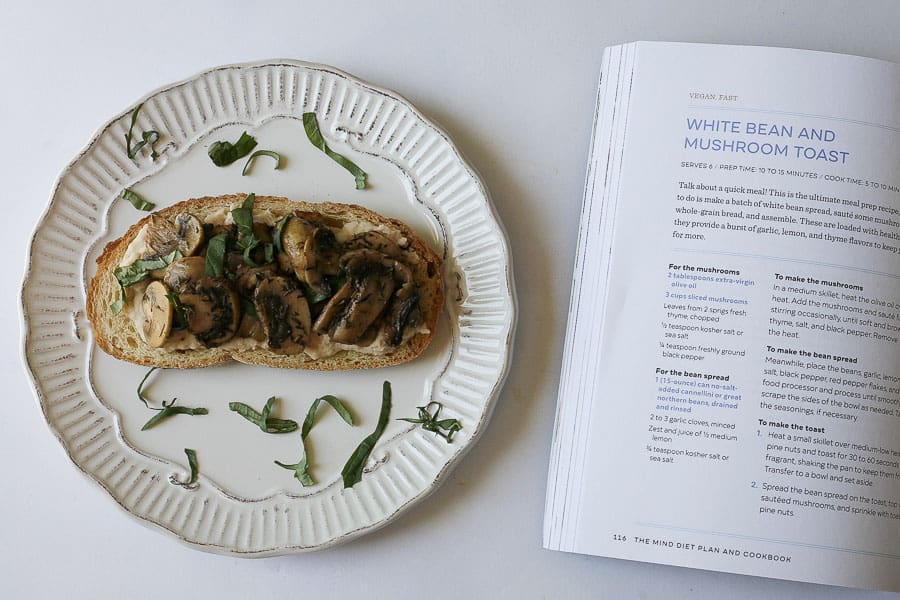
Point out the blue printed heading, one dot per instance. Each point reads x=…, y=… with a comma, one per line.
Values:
x=810, y=143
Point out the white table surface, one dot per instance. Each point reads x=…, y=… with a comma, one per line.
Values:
x=513, y=83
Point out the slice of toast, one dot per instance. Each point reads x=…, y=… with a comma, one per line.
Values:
x=119, y=335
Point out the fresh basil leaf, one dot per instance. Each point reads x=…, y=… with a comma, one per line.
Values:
x=268, y=153
x=134, y=114
x=195, y=471
x=224, y=153
x=248, y=259
x=339, y=408
x=267, y=424
x=136, y=201
x=246, y=411
x=140, y=269
x=192, y=462
x=311, y=125
x=279, y=230
x=264, y=415
x=335, y=403
x=140, y=388
x=445, y=428
x=151, y=137
x=280, y=425
x=243, y=218
x=147, y=137
x=353, y=469
x=170, y=410
x=179, y=311
x=300, y=468
x=215, y=256
x=247, y=240
x=167, y=410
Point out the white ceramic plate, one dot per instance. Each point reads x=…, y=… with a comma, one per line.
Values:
x=244, y=504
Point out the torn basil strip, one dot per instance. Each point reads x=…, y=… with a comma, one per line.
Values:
x=300, y=468
x=140, y=269
x=243, y=218
x=224, y=153
x=147, y=137
x=262, y=419
x=170, y=410
x=311, y=125
x=268, y=153
x=167, y=410
x=335, y=403
x=353, y=469
x=195, y=471
x=445, y=428
x=215, y=256
x=136, y=272
x=136, y=200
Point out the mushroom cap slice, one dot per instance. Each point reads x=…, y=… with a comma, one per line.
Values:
x=334, y=309
x=370, y=296
x=404, y=307
x=184, y=272
x=373, y=240
x=312, y=251
x=359, y=303
x=246, y=278
x=213, y=311
x=284, y=314
x=158, y=313
x=164, y=236
x=190, y=234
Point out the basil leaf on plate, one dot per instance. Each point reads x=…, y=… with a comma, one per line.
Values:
x=224, y=153
x=195, y=471
x=311, y=125
x=353, y=469
x=170, y=410
x=147, y=137
x=429, y=421
x=136, y=200
x=268, y=153
x=263, y=420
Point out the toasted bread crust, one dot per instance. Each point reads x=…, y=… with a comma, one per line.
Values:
x=115, y=334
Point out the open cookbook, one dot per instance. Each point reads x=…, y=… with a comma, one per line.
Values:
x=730, y=388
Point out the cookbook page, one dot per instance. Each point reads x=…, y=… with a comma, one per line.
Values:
x=745, y=410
